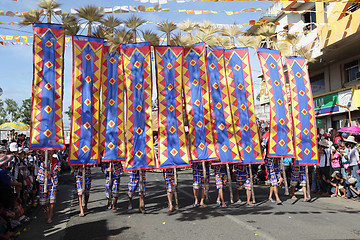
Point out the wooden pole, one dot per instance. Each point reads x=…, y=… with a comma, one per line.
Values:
x=205, y=181
x=83, y=180
x=230, y=183
x=110, y=183
x=251, y=184
x=285, y=179
x=176, y=192
x=46, y=163
x=307, y=182
x=142, y=202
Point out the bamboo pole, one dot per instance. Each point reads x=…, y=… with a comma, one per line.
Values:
x=176, y=192
x=46, y=163
x=307, y=182
x=285, y=179
x=230, y=183
x=251, y=184
x=205, y=181
x=142, y=202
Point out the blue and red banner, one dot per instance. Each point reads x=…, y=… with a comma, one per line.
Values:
x=139, y=132
x=196, y=90
x=173, y=152
x=46, y=130
x=221, y=115
x=241, y=94
x=306, y=150
x=85, y=119
x=281, y=135
x=112, y=138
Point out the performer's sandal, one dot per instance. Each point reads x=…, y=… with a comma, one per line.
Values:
x=223, y=206
x=195, y=204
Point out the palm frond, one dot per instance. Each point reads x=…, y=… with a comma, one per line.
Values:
x=304, y=52
x=72, y=29
x=208, y=28
x=188, y=26
x=246, y=41
x=266, y=31
x=134, y=22
x=231, y=31
x=100, y=32
x=111, y=22
x=222, y=41
x=121, y=36
x=30, y=18
x=167, y=27
x=68, y=20
x=90, y=13
x=49, y=5
x=150, y=36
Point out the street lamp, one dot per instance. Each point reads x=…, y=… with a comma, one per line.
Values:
x=349, y=112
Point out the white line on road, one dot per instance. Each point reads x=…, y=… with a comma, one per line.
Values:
x=238, y=221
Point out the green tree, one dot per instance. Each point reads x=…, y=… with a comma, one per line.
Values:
x=25, y=111
x=2, y=112
x=68, y=112
x=12, y=109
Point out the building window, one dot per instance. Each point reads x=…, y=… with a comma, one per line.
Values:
x=317, y=83
x=309, y=20
x=352, y=71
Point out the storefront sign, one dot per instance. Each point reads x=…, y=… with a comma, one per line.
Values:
x=327, y=104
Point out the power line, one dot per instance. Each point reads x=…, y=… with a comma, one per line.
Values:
x=16, y=30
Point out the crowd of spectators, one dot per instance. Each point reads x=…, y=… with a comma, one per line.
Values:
x=18, y=186
x=337, y=174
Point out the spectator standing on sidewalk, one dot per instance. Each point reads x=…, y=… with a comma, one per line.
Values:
x=353, y=158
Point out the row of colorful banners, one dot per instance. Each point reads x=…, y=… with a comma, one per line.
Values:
x=213, y=86
x=157, y=8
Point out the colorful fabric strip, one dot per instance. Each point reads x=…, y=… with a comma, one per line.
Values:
x=242, y=104
x=172, y=139
x=221, y=112
x=280, y=140
x=306, y=151
x=85, y=119
x=139, y=135
x=197, y=104
x=46, y=130
x=112, y=138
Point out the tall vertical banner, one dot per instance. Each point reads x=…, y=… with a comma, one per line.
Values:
x=242, y=103
x=196, y=89
x=46, y=130
x=281, y=135
x=85, y=118
x=173, y=150
x=303, y=112
x=221, y=110
x=139, y=133
x=112, y=137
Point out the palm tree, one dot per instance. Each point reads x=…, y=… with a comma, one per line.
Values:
x=207, y=33
x=222, y=41
x=231, y=31
x=208, y=28
x=90, y=14
x=68, y=20
x=110, y=23
x=167, y=27
x=30, y=18
x=188, y=27
x=293, y=40
x=100, y=32
x=150, y=36
x=268, y=33
x=49, y=6
x=247, y=41
x=72, y=29
x=133, y=23
x=120, y=37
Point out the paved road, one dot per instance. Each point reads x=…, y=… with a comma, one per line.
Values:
x=323, y=218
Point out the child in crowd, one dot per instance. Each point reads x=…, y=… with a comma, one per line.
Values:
x=338, y=182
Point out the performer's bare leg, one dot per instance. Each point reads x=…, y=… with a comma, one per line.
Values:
x=81, y=205
x=87, y=195
x=51, y=212
x=221, y=197
x=196, y=193
x=248, y=197
x=114, y=203
x=202, y=201
x=170, y=197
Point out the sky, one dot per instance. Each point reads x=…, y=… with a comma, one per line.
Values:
x=16, y=64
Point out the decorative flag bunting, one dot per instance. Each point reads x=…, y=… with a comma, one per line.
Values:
x=47, y=91
x=85, y=119
x=139, y=135
x=112, y=138
x=196, y=91
x=221, y=112
x=281, y=135
x=173, y=150
x=306, y=151
x=241, y=95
